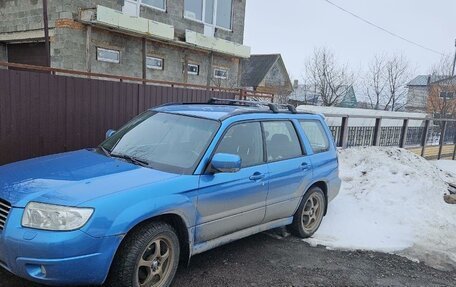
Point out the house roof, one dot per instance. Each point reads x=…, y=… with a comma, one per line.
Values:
x=422, y=80
x=256, y=68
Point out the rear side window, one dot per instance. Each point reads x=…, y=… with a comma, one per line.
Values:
x=246, y=141
x=316, y=135
x=281, y=140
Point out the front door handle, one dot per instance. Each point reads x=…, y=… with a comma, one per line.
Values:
x=305, y=166
x=256, y=176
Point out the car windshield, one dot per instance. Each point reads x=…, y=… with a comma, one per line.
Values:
x=168, y=142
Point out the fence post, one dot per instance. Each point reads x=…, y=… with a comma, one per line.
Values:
x=343, y=136
x=424, y=137
x=442, y=139
x=454, y=151
x=377, y=132
x=404, y=129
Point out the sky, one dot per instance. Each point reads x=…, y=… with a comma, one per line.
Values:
x=295, y=28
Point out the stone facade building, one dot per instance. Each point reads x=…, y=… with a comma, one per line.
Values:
x=187, y=41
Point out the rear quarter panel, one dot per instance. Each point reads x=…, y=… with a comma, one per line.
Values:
x=325, y=165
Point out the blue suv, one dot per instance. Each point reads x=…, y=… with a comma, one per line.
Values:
x=175, y=181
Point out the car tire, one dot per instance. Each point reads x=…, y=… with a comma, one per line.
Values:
x=148, y=257
x=309, y=215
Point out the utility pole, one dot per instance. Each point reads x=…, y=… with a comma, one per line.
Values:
x=454, y=61
x=46, y=32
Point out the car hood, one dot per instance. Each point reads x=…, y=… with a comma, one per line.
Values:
x=72, y=178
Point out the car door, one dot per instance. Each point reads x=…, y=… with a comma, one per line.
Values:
x=289, y=168
x=229, y=202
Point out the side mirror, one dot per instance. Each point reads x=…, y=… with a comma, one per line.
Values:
x=224, y=162
x=109, y=133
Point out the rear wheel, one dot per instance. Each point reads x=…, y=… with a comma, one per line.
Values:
x=310, y=213
x=148, y=258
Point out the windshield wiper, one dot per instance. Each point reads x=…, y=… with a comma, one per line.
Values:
x=132, y=159
x=105, y=150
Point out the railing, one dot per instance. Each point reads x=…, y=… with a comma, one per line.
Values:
x=436, y=134
x=242, y=93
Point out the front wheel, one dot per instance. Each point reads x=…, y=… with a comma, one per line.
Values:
x=310, y=213
x=148, y=258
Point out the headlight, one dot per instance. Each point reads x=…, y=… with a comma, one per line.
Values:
x=55, y=217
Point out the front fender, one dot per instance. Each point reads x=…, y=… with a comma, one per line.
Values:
x=118, y=213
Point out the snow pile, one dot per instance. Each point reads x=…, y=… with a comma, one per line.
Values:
x=446, y=165
x=391, y=201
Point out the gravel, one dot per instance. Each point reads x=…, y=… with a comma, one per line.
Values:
x=268, y=260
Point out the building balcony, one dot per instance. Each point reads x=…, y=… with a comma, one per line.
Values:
x=141, y=27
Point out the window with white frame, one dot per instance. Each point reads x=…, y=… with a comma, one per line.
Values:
x=193, y=69
x=211, y=12
x=132, y=7
x=154, y=63
x=108, y=55
x=158, y=4
x=220, y=73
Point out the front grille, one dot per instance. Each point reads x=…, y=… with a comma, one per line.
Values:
x=5, y=208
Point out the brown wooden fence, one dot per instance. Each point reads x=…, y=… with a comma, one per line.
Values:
x=43, y=113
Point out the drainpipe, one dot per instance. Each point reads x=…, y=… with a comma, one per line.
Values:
x=46, y=32
x=454, y=61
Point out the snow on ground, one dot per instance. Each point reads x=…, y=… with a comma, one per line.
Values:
x=446, y=165
x=391, y=201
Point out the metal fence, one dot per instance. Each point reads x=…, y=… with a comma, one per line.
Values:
x=43, y=113
x=434, y=139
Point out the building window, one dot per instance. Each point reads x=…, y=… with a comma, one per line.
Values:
x=220, y=73
x=158, y=4
x=154, y=63
x=447, y=95
x=108, y=55
x=217, y=13
x=193, y=69
x=132, y=7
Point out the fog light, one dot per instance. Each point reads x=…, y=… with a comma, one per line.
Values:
x=35, y=270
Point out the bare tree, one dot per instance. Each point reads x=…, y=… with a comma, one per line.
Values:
x=442, y=92
x=375, y=82
x=330, y=80
x=397, y=69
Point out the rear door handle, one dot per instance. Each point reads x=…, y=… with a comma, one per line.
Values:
x=305, y=166
x=256, y=176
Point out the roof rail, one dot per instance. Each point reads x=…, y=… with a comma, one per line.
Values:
x=275, y=108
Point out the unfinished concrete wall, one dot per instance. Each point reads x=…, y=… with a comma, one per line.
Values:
x=23, y=15
x=3, y=53
x=69, y=40
x=68, y=46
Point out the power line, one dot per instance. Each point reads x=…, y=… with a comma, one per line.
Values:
x=383, y=29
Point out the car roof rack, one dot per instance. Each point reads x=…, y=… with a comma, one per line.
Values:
x=275, y=108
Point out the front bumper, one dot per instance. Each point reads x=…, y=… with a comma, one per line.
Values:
x=55, y=258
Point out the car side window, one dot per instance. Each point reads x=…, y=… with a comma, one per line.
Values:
x=245, y=140
x=316, y=135
x=281, y=140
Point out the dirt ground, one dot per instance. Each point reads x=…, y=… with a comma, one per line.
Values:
x=263, y=260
